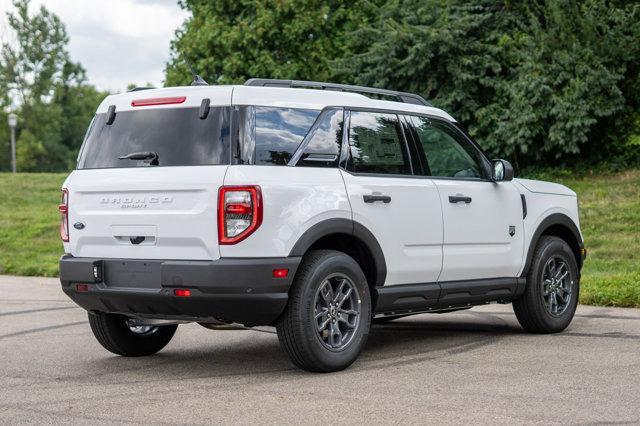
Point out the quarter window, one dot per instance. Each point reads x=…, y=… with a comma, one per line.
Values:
x=323, y=147
x=377, y=145
x=446, y=155
x=272, y=135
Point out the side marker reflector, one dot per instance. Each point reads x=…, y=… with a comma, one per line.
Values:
x=82, y=287
x=182, y=292
x=280, y=273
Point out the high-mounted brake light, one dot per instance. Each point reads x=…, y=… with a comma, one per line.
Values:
x=63, y=208
x=239, y=212
x=158, y=101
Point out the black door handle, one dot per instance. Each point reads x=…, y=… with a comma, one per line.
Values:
x=459, y=199
x=373, y=198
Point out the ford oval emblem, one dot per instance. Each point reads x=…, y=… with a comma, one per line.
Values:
x=78, y=225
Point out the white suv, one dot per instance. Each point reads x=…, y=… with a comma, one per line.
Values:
x=316, y=211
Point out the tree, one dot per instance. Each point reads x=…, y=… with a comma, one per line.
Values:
x=38, y=77
x=534, y=80
x=538, y=82
x=229, y=41
x=32, y=67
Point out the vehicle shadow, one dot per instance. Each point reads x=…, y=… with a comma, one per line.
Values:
x=240, y=354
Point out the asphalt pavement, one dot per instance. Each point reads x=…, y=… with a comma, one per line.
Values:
x=474, y=366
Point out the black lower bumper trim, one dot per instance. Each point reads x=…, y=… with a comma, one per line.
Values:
x=232, y=290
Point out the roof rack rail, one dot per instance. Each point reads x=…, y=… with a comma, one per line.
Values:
x=408, y=98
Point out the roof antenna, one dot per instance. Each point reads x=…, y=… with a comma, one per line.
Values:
x=197, y=80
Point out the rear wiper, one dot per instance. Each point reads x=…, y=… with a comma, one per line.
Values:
x=152, y=157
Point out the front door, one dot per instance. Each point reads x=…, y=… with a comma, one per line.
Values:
x=402, y=210
x=483, y=226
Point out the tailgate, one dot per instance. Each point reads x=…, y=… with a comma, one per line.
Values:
x=145, y=212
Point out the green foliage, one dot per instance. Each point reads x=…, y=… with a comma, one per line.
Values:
x=77, y=105
x=29, y=152
x=31, y=68
x=534, y=81
x=229, y=41
x=55, y=104
x=539, y=82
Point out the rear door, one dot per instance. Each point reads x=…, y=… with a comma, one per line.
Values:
x=162, y=207
x=483, y=227
x=401, y=210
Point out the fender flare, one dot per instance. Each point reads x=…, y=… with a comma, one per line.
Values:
x=349, y=227
x=552, y=219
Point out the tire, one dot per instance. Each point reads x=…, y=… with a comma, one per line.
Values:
x=298, y=328
x=534, y=309
x=116, y=336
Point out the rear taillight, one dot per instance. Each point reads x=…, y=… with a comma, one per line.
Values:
x=63, y=208
x=239, y=212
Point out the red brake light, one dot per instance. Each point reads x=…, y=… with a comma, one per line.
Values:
x=238, y=208
x=63, y=208
x=158, y=101
x=239, y=212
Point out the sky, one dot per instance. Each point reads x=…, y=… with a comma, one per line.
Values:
x=118, y=42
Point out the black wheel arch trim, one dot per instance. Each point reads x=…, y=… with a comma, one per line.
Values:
x=551, y=220
x=349, y=227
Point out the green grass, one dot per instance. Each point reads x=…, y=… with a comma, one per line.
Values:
x=29, y=223
x=609, y=214
x=610, y=222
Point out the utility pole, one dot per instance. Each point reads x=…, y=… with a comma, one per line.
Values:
x=13, y=122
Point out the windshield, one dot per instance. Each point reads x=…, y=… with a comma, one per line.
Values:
x=159, y=137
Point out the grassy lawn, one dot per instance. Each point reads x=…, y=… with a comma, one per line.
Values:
x=609, y=213
x=29, y=223
x=610, y=222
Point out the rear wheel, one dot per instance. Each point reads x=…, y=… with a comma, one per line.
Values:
x=551, y=297
x=116, y=335
x=327, y=319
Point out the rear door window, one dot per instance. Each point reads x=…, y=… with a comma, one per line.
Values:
x=377, y=144
x=177, y=135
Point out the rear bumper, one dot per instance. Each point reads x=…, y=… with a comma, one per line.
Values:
x=231, y=290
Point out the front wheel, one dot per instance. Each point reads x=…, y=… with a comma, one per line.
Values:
x=116, y=335
x=328, y=317
x=551, y=296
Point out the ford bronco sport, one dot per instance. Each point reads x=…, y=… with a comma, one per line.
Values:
x=312, y=207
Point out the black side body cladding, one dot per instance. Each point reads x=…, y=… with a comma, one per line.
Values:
x=409, y=298
x=550, y=221
x=348, y=227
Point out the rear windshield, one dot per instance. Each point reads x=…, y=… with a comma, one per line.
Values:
x=178, y=136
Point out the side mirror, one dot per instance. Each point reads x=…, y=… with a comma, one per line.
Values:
x=501, y=171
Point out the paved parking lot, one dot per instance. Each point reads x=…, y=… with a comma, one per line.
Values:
x=469, y=366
